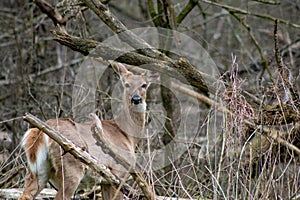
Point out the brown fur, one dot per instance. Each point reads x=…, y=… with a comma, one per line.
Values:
x=33, y=143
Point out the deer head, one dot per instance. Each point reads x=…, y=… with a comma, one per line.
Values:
x=135, y=89
x=132, y=119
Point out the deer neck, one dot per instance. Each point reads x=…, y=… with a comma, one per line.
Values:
x=132, y=123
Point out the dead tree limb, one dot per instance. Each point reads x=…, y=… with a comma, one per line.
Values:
x=52, y=13
x=78, y=153
x=15, y=193
x=96, y=49
x=98, y=132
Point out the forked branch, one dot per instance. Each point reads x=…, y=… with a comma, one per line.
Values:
x=52, y=13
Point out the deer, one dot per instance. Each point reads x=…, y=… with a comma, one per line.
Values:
x=47, y=161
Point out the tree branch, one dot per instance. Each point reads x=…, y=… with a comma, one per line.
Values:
x=52, y=13
x=255, y=42
x=43, y=72
x=94, y=48
x=10, y=175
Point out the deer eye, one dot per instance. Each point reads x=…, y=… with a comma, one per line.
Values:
x=144, y=85
x=127, y=85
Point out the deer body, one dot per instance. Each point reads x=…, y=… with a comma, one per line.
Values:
x=47, y=161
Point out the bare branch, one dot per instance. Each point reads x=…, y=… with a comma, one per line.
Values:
x=118, y=27
x=268, y=2
x=255, y=42
x=43, y=72
x=94, y=48
x=15, y=193
x=52, y=13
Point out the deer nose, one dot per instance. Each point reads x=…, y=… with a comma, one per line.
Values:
x=136, y=99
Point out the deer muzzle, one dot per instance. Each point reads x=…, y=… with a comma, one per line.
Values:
x=136, y=99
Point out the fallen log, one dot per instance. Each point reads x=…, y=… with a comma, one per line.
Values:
x=15, y=193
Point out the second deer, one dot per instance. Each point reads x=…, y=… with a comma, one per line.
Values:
x=46, y=161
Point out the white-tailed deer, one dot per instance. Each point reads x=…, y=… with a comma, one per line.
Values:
x=46, y=161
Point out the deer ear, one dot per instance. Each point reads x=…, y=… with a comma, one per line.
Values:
x=120, y=68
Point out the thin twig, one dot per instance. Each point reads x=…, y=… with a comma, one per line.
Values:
x=268, y=2
x=43, y=72
x=263, y=59
x=10, y=175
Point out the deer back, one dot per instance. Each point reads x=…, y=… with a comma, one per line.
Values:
x=82, y=136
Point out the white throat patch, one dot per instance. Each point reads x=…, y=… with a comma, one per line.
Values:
x=141, y=107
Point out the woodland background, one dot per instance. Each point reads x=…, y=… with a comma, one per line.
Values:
x=252, y=152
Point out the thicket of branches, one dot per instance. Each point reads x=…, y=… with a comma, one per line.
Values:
x=246, y=146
